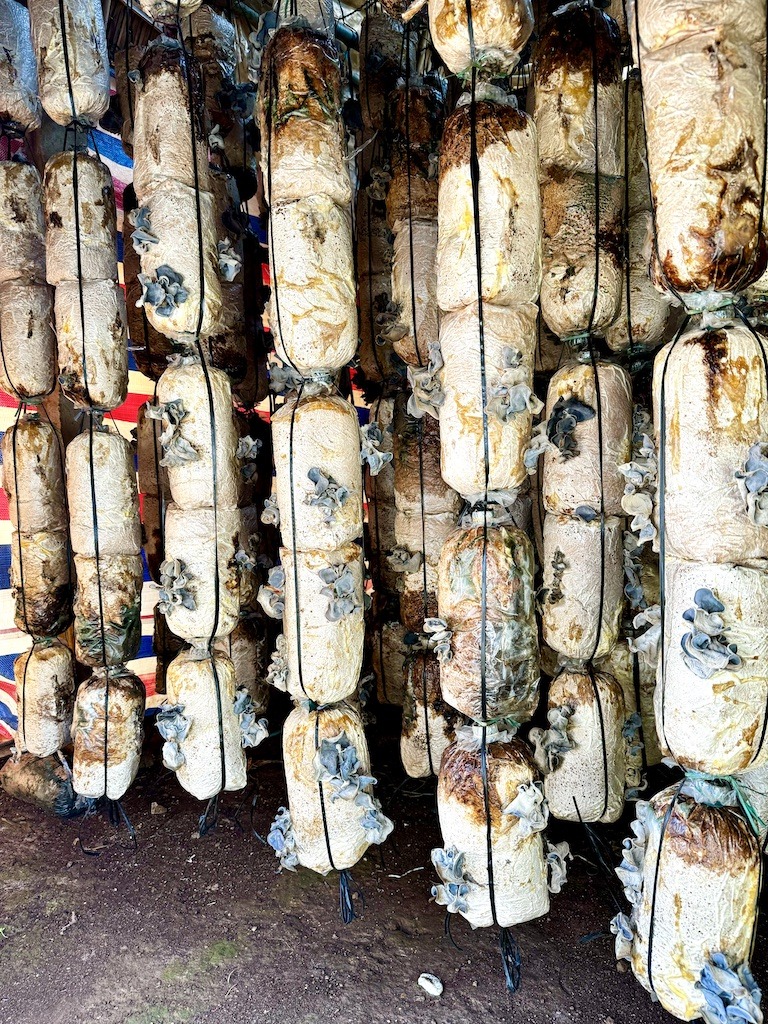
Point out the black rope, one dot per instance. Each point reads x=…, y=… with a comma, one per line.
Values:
x=209, y=819
x=654, y=890
x=17, y=502
x=474, y=172
x=211, y=408
x=411, y=263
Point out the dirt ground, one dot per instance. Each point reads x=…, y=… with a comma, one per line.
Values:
x=190, y=930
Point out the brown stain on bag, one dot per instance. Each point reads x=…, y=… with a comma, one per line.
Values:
x=461, y=777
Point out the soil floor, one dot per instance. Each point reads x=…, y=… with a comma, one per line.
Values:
x=190, y=930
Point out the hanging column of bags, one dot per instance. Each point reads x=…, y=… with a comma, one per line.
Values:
x=687, y=940
x=332, y=816
x=586, y=432
x=493, y=869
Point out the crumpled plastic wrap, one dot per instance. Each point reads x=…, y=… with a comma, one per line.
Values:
x=373, y=236
x=413, y=186
x=380, y=492
x=700, y=899
x=45, y=691
x=382, y=58
x=227, y=348
x=375, y=352
x=170, y=11
x=417, y=480
x=116, y=507
x=108, y=596
x=570, y=597
x=666, y=21
x=652, y=313
x=96, y=329
x=19, y=103
x=509, y=339
x=715, y=723
x=110, y=726
x=343, y=832
x=564, y=101
x=620, y=664
x=388, y=653
x=192, y=541
x=152, y=516
x=705, y=150
x=428, y=722
x=318, y=432
x=416, y=112
x=27, y=340
x=172, y=211
x=229, y=137
x=22, y=240
x=572, y=478
x=152, y=477
x=715, y=411
x=580, y=257
x=247, y=647
x=302, y=134
x=510, y=209
x=43, y=782
x=519, y=868
x=424, y=540
x=639, y=187
x=33, y=477
x=202, y=685
x=312, y=308
x=40, y=581
x=97, y=238
x=754, y=786
x=500, y=30
x=324, y=655
x=126, y=61
x=150, y=348
x=211, y=37
x=76, y=87
x=511, y=636
x=165, y=118
x=587, y=781
x=414, y=284
x=191, y=478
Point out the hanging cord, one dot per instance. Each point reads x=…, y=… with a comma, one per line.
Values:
x=638, y=701
x=14, y=442
x=271, y=109
x=346, y=885
x=126, y=49
x=375, y=501
x=156, y=446
x=211, y=409
x=603, y=857
x=626, y=218
x=425, y=588
x=654, y=890
x=74, y=127
x=408, y=168
x=510, y=953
